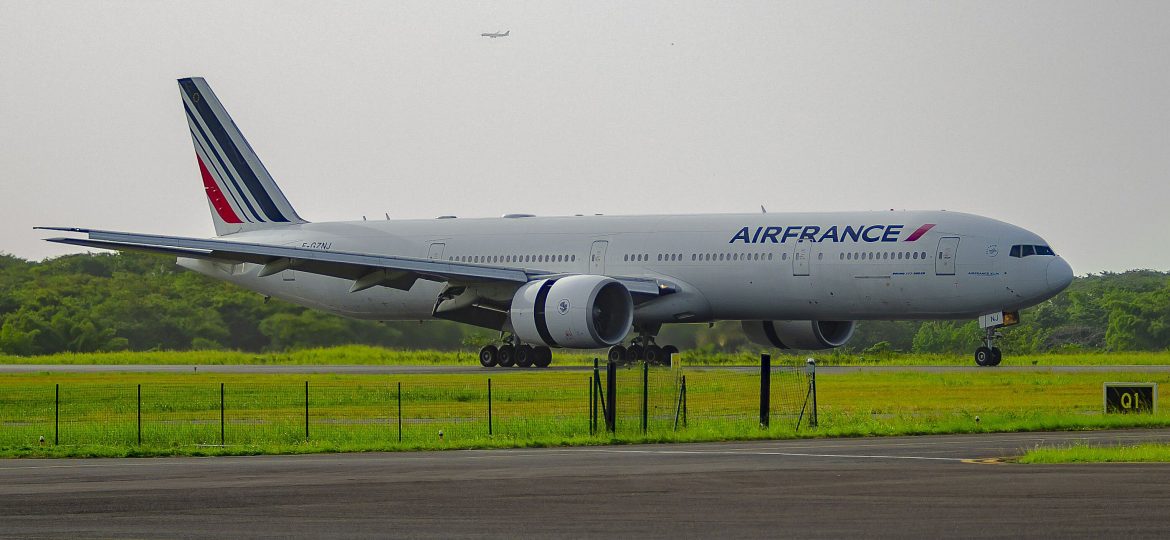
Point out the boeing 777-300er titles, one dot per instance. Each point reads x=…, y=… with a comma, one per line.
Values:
x=798, y=280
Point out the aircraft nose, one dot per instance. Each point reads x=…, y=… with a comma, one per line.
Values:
x=1060, y=274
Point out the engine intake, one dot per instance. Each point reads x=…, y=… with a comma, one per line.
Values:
x=580, y=312
x=808, y=335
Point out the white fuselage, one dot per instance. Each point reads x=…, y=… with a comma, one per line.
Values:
x=794, y=266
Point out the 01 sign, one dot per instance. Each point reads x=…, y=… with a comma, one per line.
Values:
x=1130, y=397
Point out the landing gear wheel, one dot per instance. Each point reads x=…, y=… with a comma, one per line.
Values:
x=525, y=354
x=996, y=357
x=634, y=353
x=668, y=352
x=617, y=354
x=506, y=356
x=488, y=355
x=543, y=357
x=653, y=354
x=983, y=356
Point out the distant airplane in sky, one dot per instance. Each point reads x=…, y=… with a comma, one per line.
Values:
x=793, y=280
x=495, y=34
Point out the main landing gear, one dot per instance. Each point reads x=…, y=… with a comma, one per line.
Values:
x=513, y=353
x=642, y=348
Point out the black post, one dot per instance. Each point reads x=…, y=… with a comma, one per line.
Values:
x=400, y=412
x=306, y=410
x=611, y=398
x=489, y=406
x=765, y=389
x=57, y=414
x=684, y=398
x=221, y=416
x=812, y=381
x=645, y=395
x=592, y=405
x=140, y=415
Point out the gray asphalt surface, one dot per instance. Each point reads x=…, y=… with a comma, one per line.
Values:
x=395, y=370
x=884, y=487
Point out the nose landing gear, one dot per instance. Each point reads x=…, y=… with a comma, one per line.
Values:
x=989, y=355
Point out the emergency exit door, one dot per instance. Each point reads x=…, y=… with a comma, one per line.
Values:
x=800, y=255
x=597, y=257
x=944, y=263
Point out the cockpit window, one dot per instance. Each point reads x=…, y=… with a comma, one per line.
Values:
x=1025, y=250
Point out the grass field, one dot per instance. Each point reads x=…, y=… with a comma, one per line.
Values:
x=181, y=415
x=1092, y=454
x=362, y=355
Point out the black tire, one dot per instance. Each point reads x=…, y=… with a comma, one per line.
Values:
x=506, y=356
x=996, y=356
x=634, y=353
x=543, y=357
x=983, y=356
x=488, y=355
x=525, y=355
x=617, y=354
x=653, y=354
x=668, y=351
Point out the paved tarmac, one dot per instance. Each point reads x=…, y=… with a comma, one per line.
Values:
x=398, y=370
x=879, y=487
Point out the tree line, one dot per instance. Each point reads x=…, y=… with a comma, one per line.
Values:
x=112, y=302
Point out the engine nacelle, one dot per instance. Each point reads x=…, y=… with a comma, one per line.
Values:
x=580, y=312
x=808, y=335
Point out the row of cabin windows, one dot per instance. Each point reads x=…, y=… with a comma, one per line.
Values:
x=495, y=259
x=884, y=256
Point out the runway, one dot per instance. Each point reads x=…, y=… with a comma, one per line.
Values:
x=884, y=487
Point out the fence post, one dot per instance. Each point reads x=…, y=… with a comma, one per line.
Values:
x=489, y=406
x=592, y=403
x=221, y=416
x=611, y=398
x=306, y=410
x=765, y=389
x=56, y=414
x=399, y=412
x=684, y=399
x=645, y=395
x=139, y=415
x=812, y=381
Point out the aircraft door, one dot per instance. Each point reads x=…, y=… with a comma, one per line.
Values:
x=944, y=265
x=597, y=257
x=800, y=256
x=436, y=251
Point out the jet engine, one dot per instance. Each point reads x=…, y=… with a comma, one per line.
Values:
x=580, y=312
x=808, y=335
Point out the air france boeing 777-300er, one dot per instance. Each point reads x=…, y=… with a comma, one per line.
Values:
x=794, y=280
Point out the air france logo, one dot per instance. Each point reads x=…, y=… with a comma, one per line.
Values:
x=563, y=306
x=815, y=233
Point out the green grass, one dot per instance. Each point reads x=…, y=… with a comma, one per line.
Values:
x=363, y=355
x=1082, y=453
x=265, y=413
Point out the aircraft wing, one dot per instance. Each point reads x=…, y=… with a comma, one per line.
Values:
x=364, y=269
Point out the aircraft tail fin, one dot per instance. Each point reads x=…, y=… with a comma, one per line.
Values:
x=508, y=32
x=241, y=193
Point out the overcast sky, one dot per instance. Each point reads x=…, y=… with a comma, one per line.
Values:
x=1053, y=116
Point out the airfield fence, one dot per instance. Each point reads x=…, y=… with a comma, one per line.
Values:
x=406, y=410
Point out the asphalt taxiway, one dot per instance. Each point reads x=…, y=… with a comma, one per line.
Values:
x=886, y=487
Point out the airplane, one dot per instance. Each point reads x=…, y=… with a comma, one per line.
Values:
x=495, y=34
x=793, y=280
